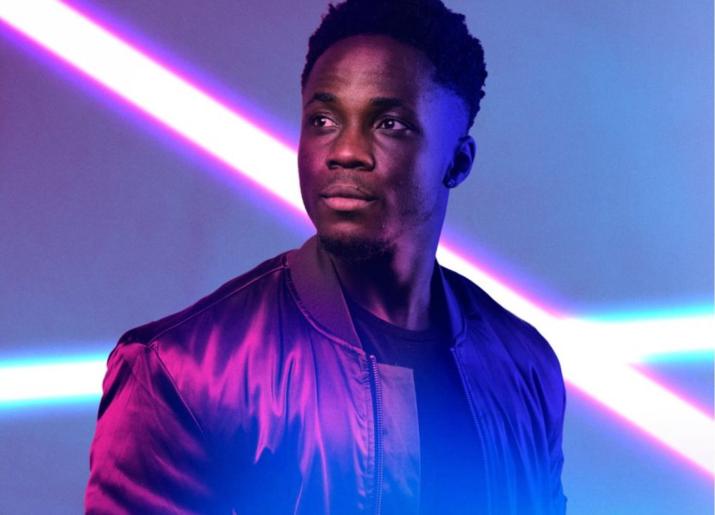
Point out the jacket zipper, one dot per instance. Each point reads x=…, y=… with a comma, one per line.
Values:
x=377, y=395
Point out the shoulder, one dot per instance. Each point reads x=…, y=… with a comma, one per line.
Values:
x=262, y=279
x=515, y=346
x=522, y=340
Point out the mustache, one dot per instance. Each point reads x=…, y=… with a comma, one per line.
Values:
x=347, y=186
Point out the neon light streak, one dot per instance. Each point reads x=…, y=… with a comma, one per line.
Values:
x=77, y=377
x=589, y=352
x=643, y=402
x=594, y=358
x=639, y=340
x=160, y=93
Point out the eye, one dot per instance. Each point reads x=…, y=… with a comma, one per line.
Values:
x=392, y=124
x=322, y=121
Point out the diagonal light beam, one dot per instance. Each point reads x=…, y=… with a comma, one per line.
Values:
x=594, y=358
x=232, y=139
x=162, y=94
x=646, y=404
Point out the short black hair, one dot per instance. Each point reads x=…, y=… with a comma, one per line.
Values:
x=427, y=25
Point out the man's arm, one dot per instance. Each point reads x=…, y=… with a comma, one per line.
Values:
x=149, y=454
x=557, y=458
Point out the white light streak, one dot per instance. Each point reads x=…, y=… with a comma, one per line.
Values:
x=63, y=379
x=158, y=92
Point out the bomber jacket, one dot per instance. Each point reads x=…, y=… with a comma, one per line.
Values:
x=260, y=399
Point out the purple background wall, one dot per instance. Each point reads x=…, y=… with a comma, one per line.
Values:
x=592, y=190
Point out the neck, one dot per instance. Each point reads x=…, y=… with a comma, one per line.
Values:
x=395, y=287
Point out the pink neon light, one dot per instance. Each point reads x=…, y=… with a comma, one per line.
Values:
x=673, y=422
x=703, y=406
x=205, y=122
x=159, y=93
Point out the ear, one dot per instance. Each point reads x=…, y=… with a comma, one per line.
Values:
x=461, y=164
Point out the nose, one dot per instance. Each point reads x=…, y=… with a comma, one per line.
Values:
x=351, y=149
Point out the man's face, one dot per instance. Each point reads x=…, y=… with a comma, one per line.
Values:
x=378, y=136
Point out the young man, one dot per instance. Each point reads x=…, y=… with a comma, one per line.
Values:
x=354, y=375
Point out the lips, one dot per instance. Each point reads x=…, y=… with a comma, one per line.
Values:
x=346, y=197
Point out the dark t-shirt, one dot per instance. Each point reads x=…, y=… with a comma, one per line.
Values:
x=448, y=438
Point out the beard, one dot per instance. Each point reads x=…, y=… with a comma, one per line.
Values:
x=355, y=249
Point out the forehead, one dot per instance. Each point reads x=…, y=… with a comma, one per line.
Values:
x=370, y=65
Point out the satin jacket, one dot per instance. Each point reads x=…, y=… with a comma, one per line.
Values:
x=259, y=399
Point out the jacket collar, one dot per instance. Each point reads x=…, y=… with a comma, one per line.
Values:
x=320, y=294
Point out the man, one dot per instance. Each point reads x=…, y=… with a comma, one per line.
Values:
x=354, y=375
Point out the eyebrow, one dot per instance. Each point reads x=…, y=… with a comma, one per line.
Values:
x=387, y=102
x=381, y=102
x=321, y=96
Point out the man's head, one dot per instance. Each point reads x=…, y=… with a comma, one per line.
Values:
x=390, y=88
x=426, y=25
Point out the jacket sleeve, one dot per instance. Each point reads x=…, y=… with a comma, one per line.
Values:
x=149, y=454
x=558, y=499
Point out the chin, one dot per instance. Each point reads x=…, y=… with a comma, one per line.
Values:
x=355, y=248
